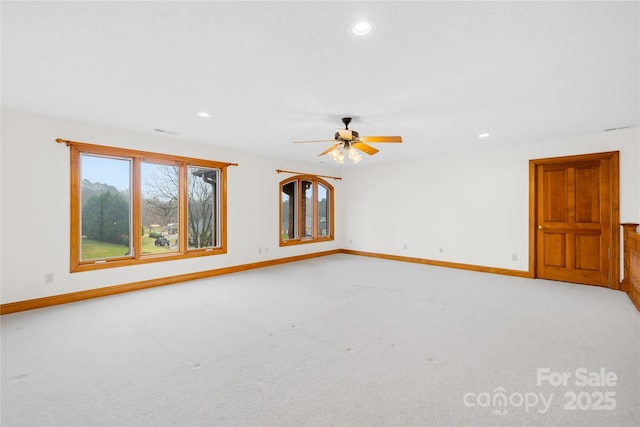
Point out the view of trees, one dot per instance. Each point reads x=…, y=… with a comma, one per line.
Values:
x=133, y=206
x=322, y=206
x=288, y=200
x=160, y=194
x=200, y=210
x=105, y=213
x=106, y=210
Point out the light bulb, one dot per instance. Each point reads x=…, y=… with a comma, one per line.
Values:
x=353, y=154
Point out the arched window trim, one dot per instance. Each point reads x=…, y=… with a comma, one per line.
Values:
x=299, y=210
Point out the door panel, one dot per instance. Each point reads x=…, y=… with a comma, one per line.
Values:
x=555, y=203
x=587, y=250
x=573, y=233
x=555, y=250
x=587, y=197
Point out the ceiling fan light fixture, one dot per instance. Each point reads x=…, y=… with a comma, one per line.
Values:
x=354, y=156
x=337, y=155
x=348, y=143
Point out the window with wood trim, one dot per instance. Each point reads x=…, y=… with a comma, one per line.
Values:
x=306, y=210
x=130, y=207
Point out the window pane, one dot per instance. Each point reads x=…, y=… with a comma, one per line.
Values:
x=159, y=208
x=202, y=209
x=323, y=211
x=307, y=209
x=289, y=220
x=105, y=207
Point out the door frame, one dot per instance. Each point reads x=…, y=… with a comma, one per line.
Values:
x=614, y=208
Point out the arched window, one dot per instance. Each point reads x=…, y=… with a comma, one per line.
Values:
x=306, y=210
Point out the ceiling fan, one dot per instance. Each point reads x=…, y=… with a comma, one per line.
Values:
x=350, y=142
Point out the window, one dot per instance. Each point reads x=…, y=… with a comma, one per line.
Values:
x=202, y=207
x=306, y=210
x=105, y=207
x=131, y=207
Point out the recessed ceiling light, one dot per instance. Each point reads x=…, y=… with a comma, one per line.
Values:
x=204, y=114
x=362, y=28
x=483, y=135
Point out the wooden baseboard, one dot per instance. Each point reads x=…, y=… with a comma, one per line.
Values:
x=480, y=268
x=32, y=304
x=36, y=303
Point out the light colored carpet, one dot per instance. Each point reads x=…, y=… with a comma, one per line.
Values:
x=333, y=341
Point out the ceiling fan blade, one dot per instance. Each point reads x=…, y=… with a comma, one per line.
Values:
x=345, y=134
x=381, y=138
x=365, y=148
x=315, y=140
x=329, y=149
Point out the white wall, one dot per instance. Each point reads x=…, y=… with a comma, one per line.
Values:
x=35, y=207
x=474, y=205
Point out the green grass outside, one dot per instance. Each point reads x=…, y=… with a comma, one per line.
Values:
x=149, y=246
x=93, y=249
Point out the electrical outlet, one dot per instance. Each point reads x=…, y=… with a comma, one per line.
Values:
x=259, y=250
x=350, y=241
x=405, y=246
x=48, y=277
x=440, y=250
x=514, y=257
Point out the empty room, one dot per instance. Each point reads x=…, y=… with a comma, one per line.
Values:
x=288, y=213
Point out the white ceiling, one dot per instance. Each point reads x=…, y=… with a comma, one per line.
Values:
x=437, y=73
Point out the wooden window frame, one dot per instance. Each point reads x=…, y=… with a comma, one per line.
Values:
x=315, y=237
x=137, y=157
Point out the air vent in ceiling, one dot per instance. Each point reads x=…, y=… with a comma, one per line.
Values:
x=168, y=132
x=619, y=128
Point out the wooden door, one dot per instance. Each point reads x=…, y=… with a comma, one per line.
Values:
x=576, y=220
